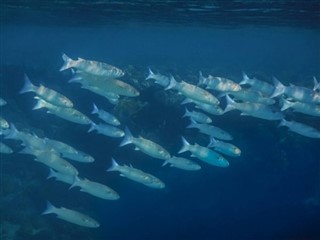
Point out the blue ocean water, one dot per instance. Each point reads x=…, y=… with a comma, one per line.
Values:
x=272, y=191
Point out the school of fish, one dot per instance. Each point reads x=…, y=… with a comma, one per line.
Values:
x=251, y=96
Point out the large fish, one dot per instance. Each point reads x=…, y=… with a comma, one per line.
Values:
x=300, y=128
x=255, y=84
x=257, y=110
x=249, y=95
x=95, y=189
x=144, y=145
x=204, y=154
x=192, y=91
x=211, y=130
x=46, y=94
x=137, y=175
x=219, y=84
x=91, y=67
x=69, y=114
x=182, y=163
x=306, y=108
x=71, y=216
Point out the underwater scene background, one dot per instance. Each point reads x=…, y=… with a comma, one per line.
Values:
x=272, y=191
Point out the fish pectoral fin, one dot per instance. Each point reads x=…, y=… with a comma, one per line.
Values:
x=137, y=149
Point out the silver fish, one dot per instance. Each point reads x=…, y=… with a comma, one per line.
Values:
x=105, y=116
x=300, y=128
x=219, y=84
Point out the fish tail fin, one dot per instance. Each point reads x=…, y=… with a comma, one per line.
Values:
x=49, y=209
x=151, y=74
x=245, y=79
x=316, y=84
x=286, y=104
x=12, y=133
x=193, y=123
x=40, y=104
x=51, y=174
x=185, y=145
x=68, y=62
x=114, y=166
x=95, y=109
x=279, y=88
x=186, y=113
x=172, y=83
x=164, y=163
x=93, y=127
x=213, y=142
x=127, y=138
x=202, y=79
x=283, y=122
x=230, y=104
x=28, y=86
x=76, y=181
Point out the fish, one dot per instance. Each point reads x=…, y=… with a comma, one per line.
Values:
x=197, y=116
x=68, y=179
x=300, y=128
x=218, y=83
x=113, y=98
x=91, y=67
x=211, y=130
x=297, y=93
x=47, y=94
x=100, y=84
x=146, y=146
x=182, y=163
x=249, y=95
x=159, y=79
x=95, y=189
x=224, y=147
x=52, y=160
x=107, y=130
x=105, y=116
x=5, y=148
x=209, y=108
x=192, y=91
x=306, y=108
x=2, y=102
x=255, y=84
x=257, y=110
x=204, y=154
x=69, y=114
x=69, y=152
x=3, y=123
x=71, y=216
x=316, y=84
x=136, y=175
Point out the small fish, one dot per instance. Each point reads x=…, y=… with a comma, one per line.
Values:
x=147, y=146
x=105, y=116
x=300, y=128
x=253, y=96
x=204, y=154
x=219, y=84
x=197, y=116
x=46, y=94
x=159, y=79
x=137, y=175
x=5, y=149
x=71, y=216
x=91, y=67
x=211, y=130
x=306, y=108
x=3, y=123
x=255, y=84
x=192, y=91
x=224, y=147
x=182, y=163
x=95, y=189
x=2, y=102
x=68, y=179
x=209, y=108
x=107, y=130
x=69, y=114
x=79, y=157
x=113, y=98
